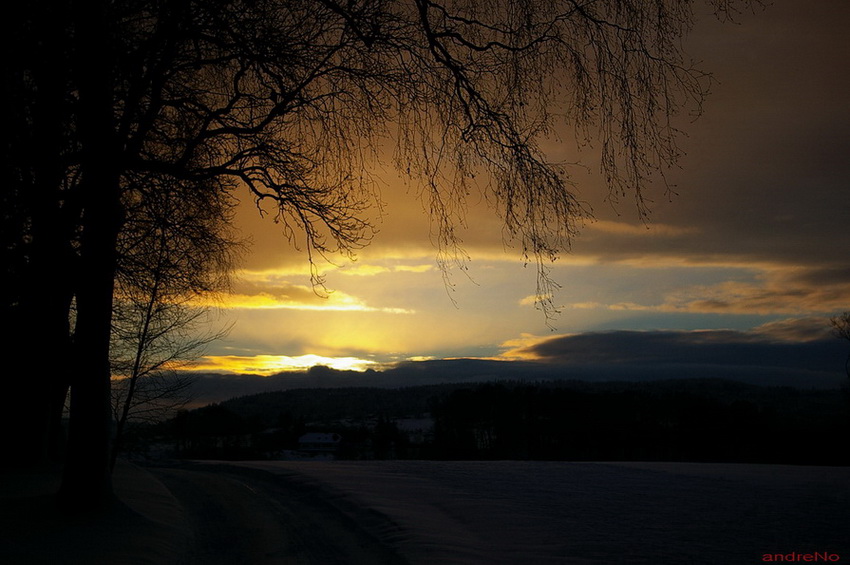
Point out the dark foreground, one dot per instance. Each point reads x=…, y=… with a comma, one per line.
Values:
x=241, y=515
x=427, y=512
x=518, y=512
x=187, y=514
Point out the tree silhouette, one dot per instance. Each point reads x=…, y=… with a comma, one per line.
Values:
x=289, y=100
x=173, y=249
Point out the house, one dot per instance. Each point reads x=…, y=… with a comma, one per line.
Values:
x=315, y=442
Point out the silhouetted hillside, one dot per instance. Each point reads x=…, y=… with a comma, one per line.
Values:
x=803, y=374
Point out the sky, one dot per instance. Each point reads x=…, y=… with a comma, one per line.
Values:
x=747, y=258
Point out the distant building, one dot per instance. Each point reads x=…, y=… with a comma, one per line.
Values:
x=417, y=430
x=319, y=442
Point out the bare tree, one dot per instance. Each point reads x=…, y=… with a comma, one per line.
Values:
x=153, y=342
x=290, y=99
x=175, y=247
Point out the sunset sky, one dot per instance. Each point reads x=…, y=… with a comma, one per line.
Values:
x=753, y=242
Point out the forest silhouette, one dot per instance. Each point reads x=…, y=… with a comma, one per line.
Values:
x=696, y=420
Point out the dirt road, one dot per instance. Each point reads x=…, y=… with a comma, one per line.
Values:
x=254, y=517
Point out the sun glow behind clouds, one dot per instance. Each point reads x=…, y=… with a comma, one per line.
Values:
x=339, y=302
x=270, y=364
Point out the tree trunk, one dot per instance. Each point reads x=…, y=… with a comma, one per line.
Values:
x=86, y=481
x=41, y=316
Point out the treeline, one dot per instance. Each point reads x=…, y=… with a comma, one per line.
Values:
x=324, y=405
x=663, y=423
x=262, y=425
x=219, y=431
x=683, y=420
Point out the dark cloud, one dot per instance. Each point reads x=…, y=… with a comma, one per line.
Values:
x=282, y=291
x=825, y=276
x=718, y=353
x=765, y=173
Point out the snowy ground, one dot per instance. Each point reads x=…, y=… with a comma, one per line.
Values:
x=438, y=513
x=599, y=513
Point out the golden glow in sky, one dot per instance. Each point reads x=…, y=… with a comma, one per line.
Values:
x=754, y=234
x=270, y=364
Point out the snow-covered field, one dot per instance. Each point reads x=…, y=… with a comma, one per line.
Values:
x=599, y=513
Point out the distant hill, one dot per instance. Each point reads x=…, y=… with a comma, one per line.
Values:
x=212, y=387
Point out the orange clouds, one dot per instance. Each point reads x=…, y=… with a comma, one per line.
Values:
x=272, y=290
x=777, y=290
